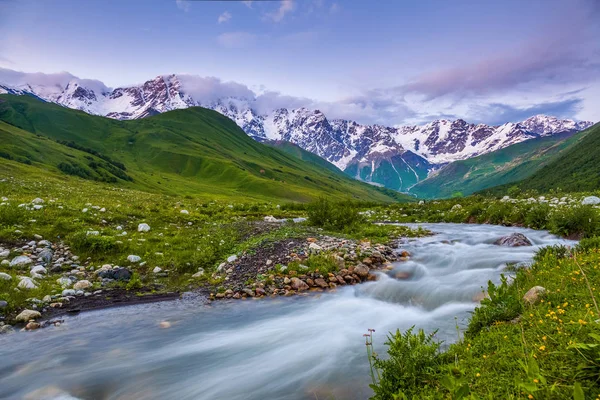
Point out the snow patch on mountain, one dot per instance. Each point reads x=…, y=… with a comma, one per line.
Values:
x=393, y=156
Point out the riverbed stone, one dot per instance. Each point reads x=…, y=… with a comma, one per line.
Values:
x=362, y=271
x=32, y=325
x=26, y=283
x=81, y=285
x=321, y=283
x=299, y=285
x=21, y=261
x=27, y=315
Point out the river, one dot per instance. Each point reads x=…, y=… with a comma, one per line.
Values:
x=308, y=347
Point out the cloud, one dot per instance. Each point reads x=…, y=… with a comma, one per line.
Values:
x=226, y=16
x=208, y=89
x=247, y=3
x=183, y=5
x=6, y=61
x=236, y=39
x=499, y=113
x=565, y=53
x=285, y=7
x=335, y=8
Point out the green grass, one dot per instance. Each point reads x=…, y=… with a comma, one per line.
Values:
x=195, y=152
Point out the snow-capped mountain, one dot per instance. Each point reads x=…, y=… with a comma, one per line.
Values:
x=395, y=157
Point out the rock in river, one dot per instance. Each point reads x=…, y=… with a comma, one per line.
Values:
x=514, y=240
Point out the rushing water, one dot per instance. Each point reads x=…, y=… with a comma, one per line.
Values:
x=286, y=348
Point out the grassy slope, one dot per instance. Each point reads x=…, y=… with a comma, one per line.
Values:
x=577, y=169
x=503, y=166
x=190, y=152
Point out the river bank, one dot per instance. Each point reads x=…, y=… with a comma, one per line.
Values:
x=281, y=348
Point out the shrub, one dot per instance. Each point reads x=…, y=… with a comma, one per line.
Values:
x=336, y=216
x=579, y=221
x=538, y=216
x=555, y=252
x=588, y=244
x=499, y=213
x=413, y=364
x=82, y=242
x=502, y=304
x=11, y=215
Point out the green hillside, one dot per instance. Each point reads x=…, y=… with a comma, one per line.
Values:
x=577, y=169
x=503, y=166
x=195, y=152
x=302, y=154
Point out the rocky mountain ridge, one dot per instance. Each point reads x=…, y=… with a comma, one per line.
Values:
x=395, y=157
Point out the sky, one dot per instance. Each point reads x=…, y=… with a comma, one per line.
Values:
x=391, y=62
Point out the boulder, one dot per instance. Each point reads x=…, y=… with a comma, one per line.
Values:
x=64, y=282
x=21, y=261
x=27, y=283
x=186, y=212
x=4, y=253
x=81, y=285
x=121, y=274
x=133, y=258
x=534, y=295
x=38, y=269
x=362, y=271
x=46, y=256
x=3, y=304
x=5, y=277
x=6, y=329
x=156, y=270
x=68, y=292
x=27, y=315
x=314, y=247
x=32, y=325
x=321, y=283
x=143, y=227
x=232, y=258
x=299, y=285
x=514, y=240
x=590, y=200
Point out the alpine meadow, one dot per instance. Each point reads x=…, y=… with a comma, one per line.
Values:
x=300, y=199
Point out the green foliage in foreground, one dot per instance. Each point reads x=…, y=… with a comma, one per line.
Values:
x=512, y=350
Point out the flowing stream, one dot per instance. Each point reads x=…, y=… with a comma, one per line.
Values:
x=303, y=347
